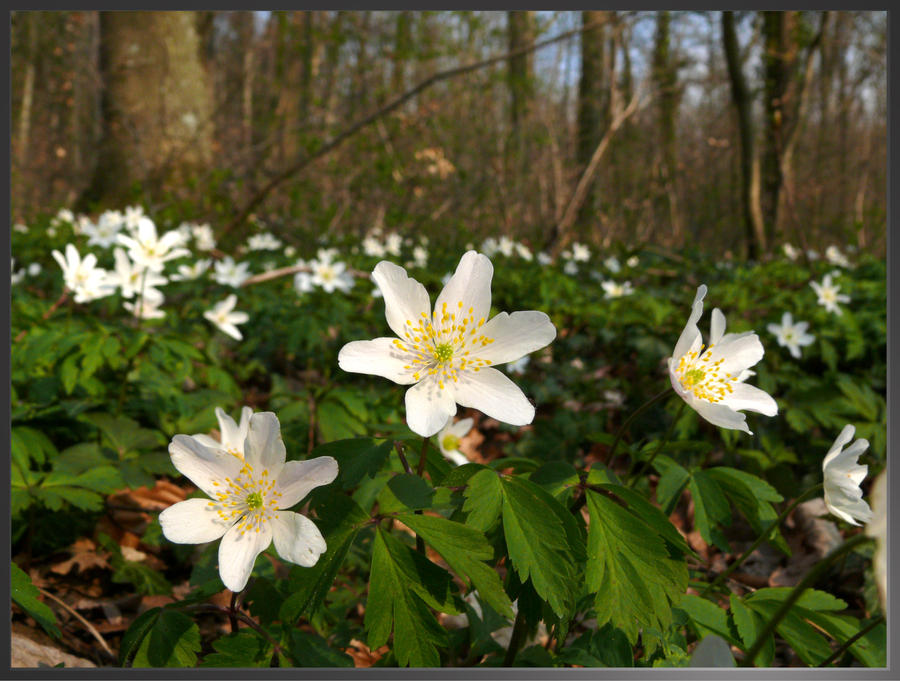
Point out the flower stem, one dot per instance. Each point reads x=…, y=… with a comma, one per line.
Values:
x=662, y=443
x=798, y=590
x=515, y=640
x=399, y=447
x=850, y=641
x=760, y=539
x=232, y=612
x=420, y=469
x=637, y=412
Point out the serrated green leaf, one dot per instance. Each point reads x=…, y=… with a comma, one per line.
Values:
x=811, y=599
x=134, y=635
x=806, y=641
x=538, y=544
x=464, y=548
x=484, y=500
x=311, y=650
x=749, y=626
x=243, y=649
x=410, y=490
x=25, y=595
x=707, y=618
x=711, y=508
x=172, y=641
x=339, y=520
x=629, y=568
x=672, y=480
x=356, y=457
x=870, y=650
x=394, y=603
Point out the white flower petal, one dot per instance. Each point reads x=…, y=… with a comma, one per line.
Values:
x=379, y=357
x=298, y=478
x=737, y=352
x=297, y=539
x=721, y=415
x=752, y=398
x=469, y=285
x=264, y=448
x=456, y=457
x=716, y=326
x=202, y=465
x=207, y=441
x=238, y=552
x=690, y=332
x=405, y=299
x=461, y=428
x=428, y=406
x=493, y=393
x=840, y=442
x=192, y=521
x=515, y=335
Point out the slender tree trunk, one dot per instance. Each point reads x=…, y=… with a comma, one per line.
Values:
x=754, y=233
x=665, y=78
x=156, y=103
x=27, y=90
x=520, y=30
x=593, y=106
x=402, y=50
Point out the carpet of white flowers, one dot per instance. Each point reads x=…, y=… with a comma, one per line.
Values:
x=389, y=451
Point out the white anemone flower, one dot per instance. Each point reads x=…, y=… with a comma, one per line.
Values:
x=877, y=528
x=791, y=335
x=828, y=296
x=263, y=242
x=489, y=246
x=326, y=254
x=420, y=256
x=612, y=264
x=373, y=247
x=835, y=257
x=132, y=217
x=712, y=382
x=612, y=289
x=330, y=275
x=303, y=283
x=842, y=477
x=580, y=253
x=34, y=269
x=506, y=246
x=449, y=438
x=82, y=277
x=106, y=231
x=524, y=252
x=393, y=243
x=148, y=307
x=518, y=366
x=148, y=250
x=633, y=261
x=222, y=316
x=570, y=267
x=192, y=272
x=791, y=252
x=130, y=277
x=544, y=259
x=204, y=239
x=230, y=273
x=248, y=500
x=447, y=356
x=231, y=435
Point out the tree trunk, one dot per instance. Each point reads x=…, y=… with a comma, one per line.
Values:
x=665, y=77
x=27, y=90
x=754, y=233
x=403, y=45
x=156, y=104
x=593, y=102
x=520, y=30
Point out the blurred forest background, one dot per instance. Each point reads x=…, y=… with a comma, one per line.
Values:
x=718, y=130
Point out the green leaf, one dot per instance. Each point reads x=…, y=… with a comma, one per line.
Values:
x=711, y=509
x=753, y=497
x=357, y=458
x=538, y=543
x=630, y=568
x=395, y=602
x=707, y=618
x=806, y=641
x=36, y=444
x=464, y=548
x=311, y=650
x=172, y=641
x=484, y=499
x=811, y=599
x=410, y=490
x=650, y=515
x=673, y=478
x=339, y=520
x=870, y=650
x=336, y=422
x=135, y=634
x=25, y=595
x=749, y=626
x=68, y=373
x=243, y=649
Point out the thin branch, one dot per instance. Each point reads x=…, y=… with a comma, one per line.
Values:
x=394, y=104
x=587, y=177
x=87, y=625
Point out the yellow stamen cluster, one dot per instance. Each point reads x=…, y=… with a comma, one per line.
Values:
x=703, y=377
x=443, y=347
x=249, y=500
x=450, y=443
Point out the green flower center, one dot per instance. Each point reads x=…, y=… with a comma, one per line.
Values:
x=450, y=443
x=443, y=352
x=693, y=377
x=254, y=501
